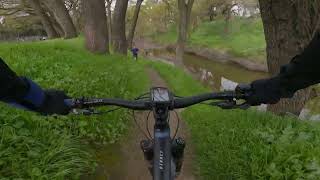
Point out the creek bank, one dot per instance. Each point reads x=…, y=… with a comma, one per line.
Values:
x=211, y=54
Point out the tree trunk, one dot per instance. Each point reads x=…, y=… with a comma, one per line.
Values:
x=184, y=21
x=109, y=2
x=227, y=12
x=56, y=25
x=77, y=15
x=134, y=23
x=227, y=19
x=119, y=27
x=45, y=20
x=289, y=26
x=211, y=12
x=167, y=14
x=53, y=20
x=96, y=34
x=62, y=15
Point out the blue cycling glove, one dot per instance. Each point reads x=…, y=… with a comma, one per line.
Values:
x=24, y=93
x=43, y=101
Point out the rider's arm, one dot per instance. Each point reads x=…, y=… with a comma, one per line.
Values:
x=301, y=72
x=11, y=86
x=24, y=93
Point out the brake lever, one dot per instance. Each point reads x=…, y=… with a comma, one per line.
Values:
x=230, y=104
x=85, y=112
x=243, y=106
x=224, y=104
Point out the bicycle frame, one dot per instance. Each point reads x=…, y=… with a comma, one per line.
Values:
x=162, y=169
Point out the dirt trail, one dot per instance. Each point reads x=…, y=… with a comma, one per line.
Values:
x=132, y=165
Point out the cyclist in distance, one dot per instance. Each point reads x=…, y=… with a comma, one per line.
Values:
x=24, y=93
x=135, y=52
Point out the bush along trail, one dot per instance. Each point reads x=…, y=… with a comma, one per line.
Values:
x=227, y=144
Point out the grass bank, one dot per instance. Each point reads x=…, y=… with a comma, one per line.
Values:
x=246, y=144
x=37, y=147
x=244, y=39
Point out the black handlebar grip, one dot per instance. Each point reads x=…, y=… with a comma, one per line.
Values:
x=69, y=103
x=243, y=88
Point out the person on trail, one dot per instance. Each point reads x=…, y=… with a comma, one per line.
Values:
x=24, y=93
x=301, y=72
x=135, y=51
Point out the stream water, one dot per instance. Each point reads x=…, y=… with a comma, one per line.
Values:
x=211, y=73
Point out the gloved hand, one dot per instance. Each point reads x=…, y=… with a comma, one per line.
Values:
x=12, y=87
x=22, y=92
x=54, y=103
x=263, y=91
x=46, y=102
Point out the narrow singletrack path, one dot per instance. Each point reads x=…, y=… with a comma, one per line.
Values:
x=133, y=166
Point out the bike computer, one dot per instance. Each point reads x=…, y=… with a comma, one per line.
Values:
x=160, y=95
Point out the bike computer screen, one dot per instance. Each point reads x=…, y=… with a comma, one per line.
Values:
x=160, y=94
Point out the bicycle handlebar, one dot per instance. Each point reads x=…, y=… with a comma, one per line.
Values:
x=96, y=102
x=176, y=103
x=189, y=101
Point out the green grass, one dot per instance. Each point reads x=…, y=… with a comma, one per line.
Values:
x=37, y=147
x=169, y=37
x=245, y=38
x=34, y=148
x=237, y=144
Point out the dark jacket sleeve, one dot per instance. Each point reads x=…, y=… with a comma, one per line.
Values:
x=302, y=71
x=11, y=86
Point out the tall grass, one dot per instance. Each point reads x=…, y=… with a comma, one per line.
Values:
x=32, y=148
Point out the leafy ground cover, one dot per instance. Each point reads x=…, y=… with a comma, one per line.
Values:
x=246, y=144
x=37, y=147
